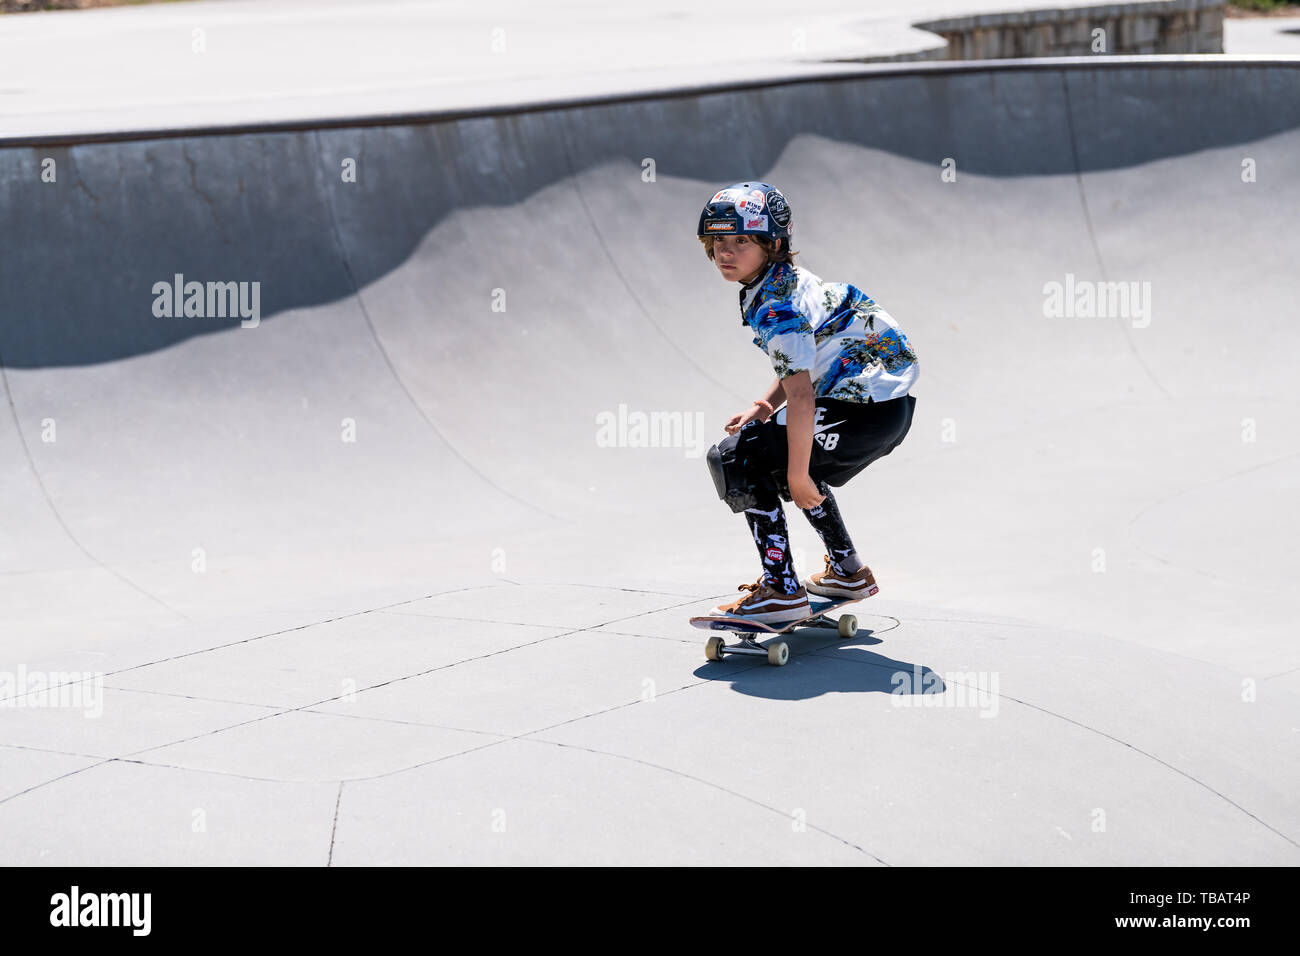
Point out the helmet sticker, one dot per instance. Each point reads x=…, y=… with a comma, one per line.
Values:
x=719, y=225
x=758, y=222
x=778, y=208
x=727, y=195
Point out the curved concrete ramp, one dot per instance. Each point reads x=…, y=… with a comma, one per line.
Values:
x=392, y=577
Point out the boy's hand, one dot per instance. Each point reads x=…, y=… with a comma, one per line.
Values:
x=737, y=422
x=803, y=491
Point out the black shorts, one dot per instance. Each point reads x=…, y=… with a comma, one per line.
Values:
x=847, y=437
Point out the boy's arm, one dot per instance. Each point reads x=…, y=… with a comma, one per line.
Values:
x=774, y=396
x=799, y=437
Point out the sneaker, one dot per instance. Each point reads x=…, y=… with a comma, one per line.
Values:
x=766, y=605
x=830, y=583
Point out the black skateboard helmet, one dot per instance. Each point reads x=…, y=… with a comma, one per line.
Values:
x=746, y=209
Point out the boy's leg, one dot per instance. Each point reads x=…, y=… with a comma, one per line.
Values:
x=772, y=536
x=860, y=435
x=826, y=521
x=871, y=433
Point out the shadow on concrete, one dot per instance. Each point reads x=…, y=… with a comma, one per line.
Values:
x=813, y=670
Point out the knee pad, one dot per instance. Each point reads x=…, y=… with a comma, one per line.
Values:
x=739, y=468
x=729, y=481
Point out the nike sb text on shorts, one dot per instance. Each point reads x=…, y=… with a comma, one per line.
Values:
x=847, y=436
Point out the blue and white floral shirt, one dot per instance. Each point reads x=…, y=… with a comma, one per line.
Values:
x=851, y=348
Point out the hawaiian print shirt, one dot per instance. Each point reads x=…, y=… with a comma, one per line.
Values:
x=851, y=348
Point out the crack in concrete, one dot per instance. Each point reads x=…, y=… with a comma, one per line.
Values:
x=1111, y=737
x=397, y=378
x=1092, y=232
x=718, y=787
x=334, y=826
x=647, y=316
x=194, y=184
x=531, y=736
x=54, y=510
x=259, y=637
x=305, y=707
x=1149, y=506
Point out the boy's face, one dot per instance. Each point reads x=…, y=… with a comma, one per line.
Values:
x=738, y=258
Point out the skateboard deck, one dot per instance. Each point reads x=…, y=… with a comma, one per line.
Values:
x=777, y=652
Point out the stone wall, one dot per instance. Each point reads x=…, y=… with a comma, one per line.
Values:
x=1174, y=26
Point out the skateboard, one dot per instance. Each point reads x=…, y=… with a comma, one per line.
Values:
x=776, y=652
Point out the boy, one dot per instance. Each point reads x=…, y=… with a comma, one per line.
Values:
x=844, y=369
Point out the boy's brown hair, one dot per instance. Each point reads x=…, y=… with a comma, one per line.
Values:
x=784, y=254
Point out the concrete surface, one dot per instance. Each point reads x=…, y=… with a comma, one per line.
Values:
x=461, y=637
x=1267, y=36
x=191, y=64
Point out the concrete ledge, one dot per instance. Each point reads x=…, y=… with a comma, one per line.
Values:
x=844, y=71
x=1176, y=26
x=133, y=68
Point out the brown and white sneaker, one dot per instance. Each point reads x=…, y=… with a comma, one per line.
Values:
x=828, y=583
x=766, y=605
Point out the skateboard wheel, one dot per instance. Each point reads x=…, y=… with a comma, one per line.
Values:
x=778, y=653
x=713, y=648
x=848, y=625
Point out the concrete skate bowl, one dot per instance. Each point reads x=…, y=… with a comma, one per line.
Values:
x=458, y=349
x=1037, y=440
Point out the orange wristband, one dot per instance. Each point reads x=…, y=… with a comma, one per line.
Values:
x=767, y=405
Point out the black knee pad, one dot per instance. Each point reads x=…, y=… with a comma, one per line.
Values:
x=741, y=469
